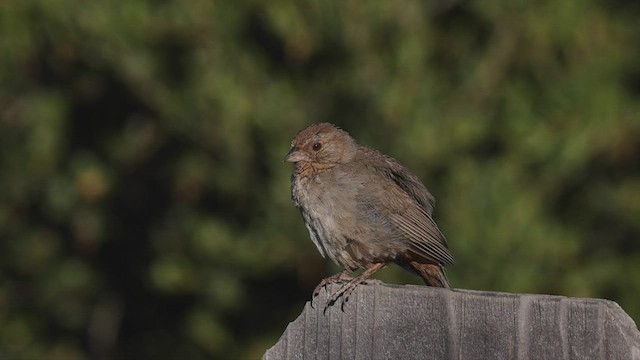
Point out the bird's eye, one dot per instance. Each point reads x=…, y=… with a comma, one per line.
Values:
x=316, y=146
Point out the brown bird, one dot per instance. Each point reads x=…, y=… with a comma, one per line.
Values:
x=364, y=209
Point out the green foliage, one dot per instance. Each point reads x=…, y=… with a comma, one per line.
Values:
x=145, y=210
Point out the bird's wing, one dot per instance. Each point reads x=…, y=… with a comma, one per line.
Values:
x=410, y=184
x=405, y=204
x=425, y=239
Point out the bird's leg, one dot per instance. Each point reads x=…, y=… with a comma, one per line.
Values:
x=346, y=289
x=342, y=275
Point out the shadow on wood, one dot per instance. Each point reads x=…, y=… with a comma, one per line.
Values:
x=416, y=322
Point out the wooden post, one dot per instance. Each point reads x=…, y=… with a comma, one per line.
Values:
x=416, y=322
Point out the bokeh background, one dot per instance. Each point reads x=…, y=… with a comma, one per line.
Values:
x=145, y=210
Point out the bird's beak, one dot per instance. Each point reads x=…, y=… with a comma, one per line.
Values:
x=295, y=155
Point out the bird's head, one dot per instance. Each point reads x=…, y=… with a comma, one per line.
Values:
x=322, y=143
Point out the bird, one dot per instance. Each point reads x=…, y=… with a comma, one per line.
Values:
x=364, y=210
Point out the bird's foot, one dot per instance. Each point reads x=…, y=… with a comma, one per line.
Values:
x=345, y=290
x=341, y=276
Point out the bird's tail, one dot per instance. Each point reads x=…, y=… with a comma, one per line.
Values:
x=432, y=274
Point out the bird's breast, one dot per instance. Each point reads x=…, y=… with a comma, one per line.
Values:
x=329, y=205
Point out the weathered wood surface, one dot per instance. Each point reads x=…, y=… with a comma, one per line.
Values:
x=416, y=322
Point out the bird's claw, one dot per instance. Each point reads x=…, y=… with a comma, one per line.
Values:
x=344, y=292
